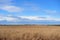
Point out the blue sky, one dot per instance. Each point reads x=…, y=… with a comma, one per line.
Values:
x=29, y=11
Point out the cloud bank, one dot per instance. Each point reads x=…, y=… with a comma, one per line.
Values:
x=8, y=18
x=29, y=18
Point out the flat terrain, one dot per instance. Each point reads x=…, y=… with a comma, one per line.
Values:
x=29, y=32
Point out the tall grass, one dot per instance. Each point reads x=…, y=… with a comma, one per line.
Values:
x=29, y=33
x=29, y=36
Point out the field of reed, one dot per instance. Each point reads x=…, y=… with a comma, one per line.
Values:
x=29, y=32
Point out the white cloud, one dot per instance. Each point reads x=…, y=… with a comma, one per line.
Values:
x=36, y=18
x=33, y=17
x=12, y=8
x=30, y=17
x=9, y=19
x=50, y=11
x=1, y=18
x=7, y=6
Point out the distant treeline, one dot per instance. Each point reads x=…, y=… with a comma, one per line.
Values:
x=30, y=25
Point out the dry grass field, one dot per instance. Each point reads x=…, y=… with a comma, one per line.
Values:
x=29, y=32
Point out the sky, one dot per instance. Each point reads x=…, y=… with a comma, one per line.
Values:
x=29, y=12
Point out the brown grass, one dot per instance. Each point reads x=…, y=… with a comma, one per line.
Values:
x=29, y=32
